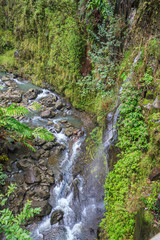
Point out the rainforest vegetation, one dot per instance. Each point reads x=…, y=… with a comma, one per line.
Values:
x=86, y=51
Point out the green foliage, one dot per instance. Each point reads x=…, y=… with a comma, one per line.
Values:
x=2, y=175
x=126, y=187
x=14, y=130
x=10, y=224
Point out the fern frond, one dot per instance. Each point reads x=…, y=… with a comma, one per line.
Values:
x=14, y=110
x=43, y=133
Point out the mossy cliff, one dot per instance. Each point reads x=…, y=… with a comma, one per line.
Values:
x=87, y=49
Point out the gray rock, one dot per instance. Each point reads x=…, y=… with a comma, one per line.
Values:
x=49, y=113
x=44, y=205
x=56, y=216
x=49, y=101
x=39, y=142
x=38, y=193
x=32, y=175
x=32, y=93
x=5, y=78
x=58, y=233
x=69, y=131
x=48, y=146
x=57, y=127
x=59, y=105
x=148, y=106
x=25, y=164
x=156, y=103
x=46, y=154
x=13, y=95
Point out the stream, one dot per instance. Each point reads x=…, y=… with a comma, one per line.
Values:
x=77, y=194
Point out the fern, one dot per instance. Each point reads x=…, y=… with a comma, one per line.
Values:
x=17, y=131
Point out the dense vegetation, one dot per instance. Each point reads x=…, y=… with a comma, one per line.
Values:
x=86, y=50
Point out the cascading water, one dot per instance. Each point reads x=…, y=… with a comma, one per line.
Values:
x=79, y=197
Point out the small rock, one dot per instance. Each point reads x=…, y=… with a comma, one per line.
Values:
x=59, y=105
x=56, y=216
x=49, y=123
x=49, y=113
x=44, y=205
x=58, y=127
x=39, y=142
x=48, y=145
x=156, y=103
x=25, y=164
x=155, y=174
x=5, y=78
x=32, y=175
x=69, y=131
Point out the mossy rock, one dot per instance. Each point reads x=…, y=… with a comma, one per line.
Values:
x=149, y=95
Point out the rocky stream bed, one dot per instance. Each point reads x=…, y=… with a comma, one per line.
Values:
x=55, y=177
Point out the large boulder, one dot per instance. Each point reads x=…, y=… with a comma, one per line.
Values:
x=33, y=175
x=38, y=193
x=13, y=95
x=32, y=93
x=56, y=216
x=45, y=207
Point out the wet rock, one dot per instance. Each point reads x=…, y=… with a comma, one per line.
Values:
x=56, y=216
x=10, y=84
x=46, y=154
x=49, y=101
x=69, y=131
x=59, y=105
x=43, y=162
x=63, y=121
x=45, y=207
x=25, y=164
x=58, y=233
x=156, y=103
x=35, y=155
x=5, y=78
x=13, y=95
x=32, y=176
x=57, y=127
x=38, y=193
x=49, y=123
x=48, y=146
x=155, y=174
x=32, y=93
x=49, y=113
x=39, y=142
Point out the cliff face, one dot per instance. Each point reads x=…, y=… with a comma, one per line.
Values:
x=87, y=49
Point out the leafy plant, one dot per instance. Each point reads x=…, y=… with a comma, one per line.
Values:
x=10, y=224
x=12, y=129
